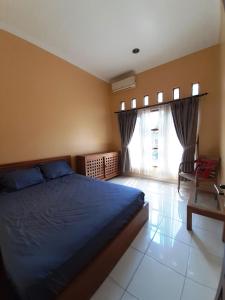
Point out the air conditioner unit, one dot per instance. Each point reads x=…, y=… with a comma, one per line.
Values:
x=124, y=84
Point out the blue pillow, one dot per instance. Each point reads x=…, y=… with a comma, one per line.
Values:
x=19, y=179
x=56, y=169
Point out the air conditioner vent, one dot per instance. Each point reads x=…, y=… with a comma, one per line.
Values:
x=124, y=84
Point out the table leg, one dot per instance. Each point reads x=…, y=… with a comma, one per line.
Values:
x=189, y=218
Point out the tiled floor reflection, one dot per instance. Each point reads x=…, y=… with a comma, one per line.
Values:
x=165, y=261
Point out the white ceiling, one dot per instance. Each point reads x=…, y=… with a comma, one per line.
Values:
x=98, y=35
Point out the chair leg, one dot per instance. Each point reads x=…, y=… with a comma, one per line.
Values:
x=224, y=232
x=189, y=218
x=196, y=191
x=178, y=185
x=196, y=195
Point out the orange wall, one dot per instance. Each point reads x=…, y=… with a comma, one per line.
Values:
x=203, y=67
x=48, y=107
x=222, y=81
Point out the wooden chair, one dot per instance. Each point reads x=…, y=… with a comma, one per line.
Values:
x=205, y=170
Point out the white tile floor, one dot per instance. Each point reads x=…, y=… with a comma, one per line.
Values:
x=165, y=261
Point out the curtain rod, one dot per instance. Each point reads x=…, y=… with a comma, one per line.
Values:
x=162, y=103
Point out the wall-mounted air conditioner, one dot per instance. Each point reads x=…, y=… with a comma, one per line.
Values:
x=124, y=84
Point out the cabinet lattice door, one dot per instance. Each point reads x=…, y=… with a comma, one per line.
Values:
x=112, y=165
x=102, y=165
x=95, y=167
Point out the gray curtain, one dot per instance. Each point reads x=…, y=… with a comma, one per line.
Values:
x=185, y=118
x=127, y=121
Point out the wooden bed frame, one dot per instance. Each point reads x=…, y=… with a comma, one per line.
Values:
x=91, y=277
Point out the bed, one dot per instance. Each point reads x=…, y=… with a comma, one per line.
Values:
x=59, y=239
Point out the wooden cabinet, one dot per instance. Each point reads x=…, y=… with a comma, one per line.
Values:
x=101, y=165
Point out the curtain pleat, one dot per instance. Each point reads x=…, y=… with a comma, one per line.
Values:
x=127, y=121
x=185, y=117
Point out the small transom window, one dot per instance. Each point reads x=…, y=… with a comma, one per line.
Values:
x=133, y=103
x=176, y=93
x=160, y=97
x=122, y=105
x=146, y=100
x=195, y=89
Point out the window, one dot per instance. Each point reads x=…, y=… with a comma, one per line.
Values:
x=176, y=93
x=195, y=89
x=122, y=105
x=160, y=97
x=146, y=100
x=154, y=137
x=155, y=150
x=133, y=103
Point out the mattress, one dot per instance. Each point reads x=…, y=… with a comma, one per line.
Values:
x=49, y=232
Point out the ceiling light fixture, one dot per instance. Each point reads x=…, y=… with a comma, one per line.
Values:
x=136, y=50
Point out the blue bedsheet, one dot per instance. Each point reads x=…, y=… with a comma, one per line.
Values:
x=50, y=231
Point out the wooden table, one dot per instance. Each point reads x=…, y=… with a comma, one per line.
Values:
x=193, y=207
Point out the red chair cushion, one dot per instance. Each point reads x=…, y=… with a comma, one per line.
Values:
x=206, y=168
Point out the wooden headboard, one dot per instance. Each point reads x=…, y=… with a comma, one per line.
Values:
x=31, y=163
